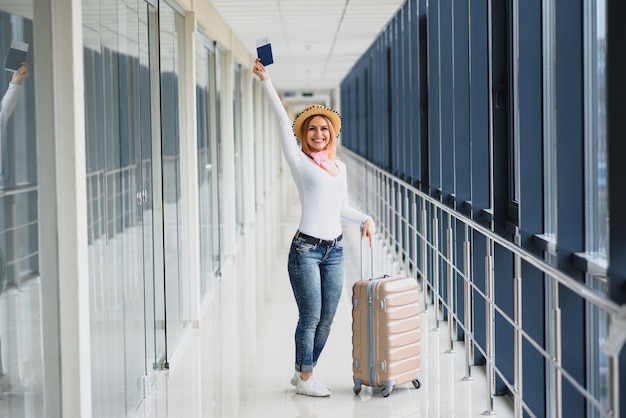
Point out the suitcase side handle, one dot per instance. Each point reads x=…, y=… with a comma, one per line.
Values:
x=371, y=257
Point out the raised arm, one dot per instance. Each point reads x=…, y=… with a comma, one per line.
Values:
x=10, y=97
x=288, y=140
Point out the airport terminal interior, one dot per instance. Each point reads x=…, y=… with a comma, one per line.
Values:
x=147, y=209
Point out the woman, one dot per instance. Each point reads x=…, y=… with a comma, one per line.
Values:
x=316, y=265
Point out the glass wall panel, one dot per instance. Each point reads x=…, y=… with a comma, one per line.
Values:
x=172, y=49
x=596, y=134
x=596, y=184
x=237, y=129
x=21, y=354
x=207, y=163
x=220, y=106
x=118, y=57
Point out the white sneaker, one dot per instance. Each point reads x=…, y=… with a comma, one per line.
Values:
x=311, y=387
x=296, y=377
x=5, y=383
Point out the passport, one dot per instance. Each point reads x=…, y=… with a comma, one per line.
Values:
x=264, y=51
x=16, y=55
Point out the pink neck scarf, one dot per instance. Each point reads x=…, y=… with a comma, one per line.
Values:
x=320, y=157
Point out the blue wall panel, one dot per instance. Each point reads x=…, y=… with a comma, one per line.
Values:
x=434, y=103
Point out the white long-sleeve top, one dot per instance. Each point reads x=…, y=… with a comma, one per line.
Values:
x=7, y=105
x=8, y=102
x=323, y=197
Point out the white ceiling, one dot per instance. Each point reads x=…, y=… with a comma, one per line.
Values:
x=314, y=42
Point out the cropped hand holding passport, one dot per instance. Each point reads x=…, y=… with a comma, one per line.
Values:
x=15, y=56
x=264, y=51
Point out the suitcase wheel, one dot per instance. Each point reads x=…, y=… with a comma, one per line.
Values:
x=417, y=384
x=357, y=388
x=386, y=391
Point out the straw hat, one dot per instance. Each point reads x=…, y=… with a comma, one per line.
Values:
x=314, y=110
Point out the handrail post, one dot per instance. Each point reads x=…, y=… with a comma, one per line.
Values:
x=467, y=294
x=614, y=400
x=389, y=213
x=450, y=257
x=489, y=328
x=558, y=374
x=424, y=254
x=406, y=243
x=436, y=267
x=398, y=242
x=613, y=347
x=517, y=317
x=415, y=235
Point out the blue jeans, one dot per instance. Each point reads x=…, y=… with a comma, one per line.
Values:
x=316, y=275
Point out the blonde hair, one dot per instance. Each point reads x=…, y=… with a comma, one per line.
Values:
x=331, y=148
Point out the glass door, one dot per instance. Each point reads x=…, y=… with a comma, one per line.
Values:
x=121, y=124
x=207, y=161
x=173, y=129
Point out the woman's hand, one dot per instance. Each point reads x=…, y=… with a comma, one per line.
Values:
x=259, y=70
x=369, y=229
x=21, y=74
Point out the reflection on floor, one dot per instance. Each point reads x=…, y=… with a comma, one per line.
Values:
x=21, y=354
x=239, y=362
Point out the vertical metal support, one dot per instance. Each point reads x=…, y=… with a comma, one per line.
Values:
x=489, y=323
x=614, y=401
x=518, y=339
x=436, y=267
x=415, y=235
x=467, y=295
x=450, y=258
x=376, y=202
x=557, y=359
x=145, y=385
x=424, y=254
x=392, y=226
x=407, y=241
x=399, y=238
x=393, y=230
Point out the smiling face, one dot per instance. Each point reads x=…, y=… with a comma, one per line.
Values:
x=318, y=133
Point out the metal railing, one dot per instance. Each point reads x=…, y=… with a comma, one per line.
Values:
x=422, y=235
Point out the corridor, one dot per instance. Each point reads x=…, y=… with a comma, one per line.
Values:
x=239, y=362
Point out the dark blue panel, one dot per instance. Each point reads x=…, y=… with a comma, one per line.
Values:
x=393, y=93
x=479, y=253
x=446, y=88
x=414, y=96
x=423, y=98
x=573, y=336
x=530, y=99
x=616, y=68
x=533, y=322
x=503, y=295
x=570, y=203
x=433, y=99
x=502, y=151
x=407, y=102
x=461, y=103
x=616, y=91
x=479, y=107
x=569, y=121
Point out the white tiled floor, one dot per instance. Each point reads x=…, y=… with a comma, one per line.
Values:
x=239, y=362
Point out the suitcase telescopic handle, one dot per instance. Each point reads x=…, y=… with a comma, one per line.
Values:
x=371, y=258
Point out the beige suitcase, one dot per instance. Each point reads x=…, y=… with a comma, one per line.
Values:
x=385, y=333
